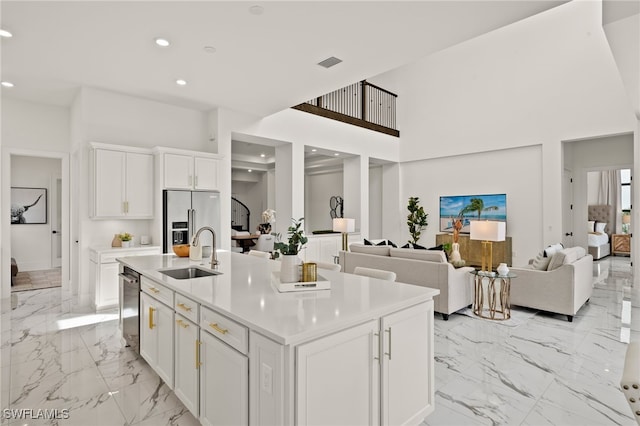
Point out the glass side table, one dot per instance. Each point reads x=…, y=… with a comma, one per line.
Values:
x=491, y=299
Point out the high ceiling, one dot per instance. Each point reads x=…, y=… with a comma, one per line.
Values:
x=261, y=62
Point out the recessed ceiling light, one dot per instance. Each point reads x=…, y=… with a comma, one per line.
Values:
x=5, y=33
x=209, y=49
x=313, y=150
x=262, y=155
x=6, y=84
x=256, y=10
x=336, y=154
x=162, y=42
x=249, y=170
x=181, y=82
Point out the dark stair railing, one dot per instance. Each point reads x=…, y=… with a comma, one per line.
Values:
x=361, y=104
x=239, y=215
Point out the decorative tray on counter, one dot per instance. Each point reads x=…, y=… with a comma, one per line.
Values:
x=320, y=284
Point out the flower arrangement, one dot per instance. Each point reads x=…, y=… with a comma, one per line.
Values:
x=296, y=239
x=125, y=236
x=269, y=216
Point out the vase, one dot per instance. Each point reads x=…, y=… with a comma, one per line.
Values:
x=264, y=228
x=502, y=269
x=126, y=244
x=290, y=268
x=116, y=242
x=455, y=253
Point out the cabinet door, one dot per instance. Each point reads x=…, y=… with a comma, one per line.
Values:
x=178, y=171
x=164, y=358
x=224, y=383
x=407, y=365
x=329, y=248
x=108, y=196
x=139, y=186
x=148, y=333
x=338, y=378
x=187, y=363
x=108, y=286
x=206, y=173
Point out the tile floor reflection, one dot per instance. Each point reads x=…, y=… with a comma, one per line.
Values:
x=536, y=370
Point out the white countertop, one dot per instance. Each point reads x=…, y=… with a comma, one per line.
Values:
x=244, y=292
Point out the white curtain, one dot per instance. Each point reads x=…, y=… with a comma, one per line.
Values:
x=609, y=193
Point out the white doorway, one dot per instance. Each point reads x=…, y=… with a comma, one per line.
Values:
x=33, y=244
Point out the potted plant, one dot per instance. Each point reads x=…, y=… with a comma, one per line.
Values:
x=289, y=270
x=416, y=219
x=126, y=238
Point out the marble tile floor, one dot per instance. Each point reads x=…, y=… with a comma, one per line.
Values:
x=538, y=369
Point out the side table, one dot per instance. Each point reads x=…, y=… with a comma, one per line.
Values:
x=621, y=244
x=491, y=299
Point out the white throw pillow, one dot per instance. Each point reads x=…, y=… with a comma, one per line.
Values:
x=552, y=249
x=437, y=256
x=376, y=250
x=541, y=262
x=557, y=260
x=600, y=226
x=591, y=226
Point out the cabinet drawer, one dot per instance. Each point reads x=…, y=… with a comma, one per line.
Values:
x=229, y=331
x=186, y=307
x=159, y=292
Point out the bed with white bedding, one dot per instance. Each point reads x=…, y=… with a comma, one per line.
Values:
x=600, y=217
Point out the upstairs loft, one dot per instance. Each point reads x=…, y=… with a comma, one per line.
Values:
x=360, y=104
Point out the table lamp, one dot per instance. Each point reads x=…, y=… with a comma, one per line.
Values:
x=487, y=231
x=344, y=225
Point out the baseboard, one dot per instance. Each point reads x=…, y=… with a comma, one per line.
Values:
x=32, y=266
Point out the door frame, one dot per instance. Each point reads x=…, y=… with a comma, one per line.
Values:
x=5, y=219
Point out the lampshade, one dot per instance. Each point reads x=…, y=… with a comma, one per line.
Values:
x=626, y=218
x=344, y=225
x=487, y=230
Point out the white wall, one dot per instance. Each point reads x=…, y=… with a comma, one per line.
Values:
x=538, y=82
x=495, y=172
x=375, y=202
x=27, y=128
x=31, y=243
x=318, y=190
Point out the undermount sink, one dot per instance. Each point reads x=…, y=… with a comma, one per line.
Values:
x=188, y=273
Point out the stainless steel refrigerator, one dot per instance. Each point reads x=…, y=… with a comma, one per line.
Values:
x=184, y=212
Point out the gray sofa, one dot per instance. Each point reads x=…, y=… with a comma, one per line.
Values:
x=563, y=288
x=426, y=268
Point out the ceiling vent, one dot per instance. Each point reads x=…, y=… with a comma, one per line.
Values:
x=329, y=62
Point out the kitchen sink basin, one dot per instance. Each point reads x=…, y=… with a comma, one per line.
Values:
x=188, y=273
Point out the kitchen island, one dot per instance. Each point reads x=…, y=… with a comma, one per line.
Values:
x=237, y=351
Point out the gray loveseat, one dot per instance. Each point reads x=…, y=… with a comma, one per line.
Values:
x=426, y=268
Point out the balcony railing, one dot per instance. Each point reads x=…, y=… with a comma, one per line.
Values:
x=361, y=104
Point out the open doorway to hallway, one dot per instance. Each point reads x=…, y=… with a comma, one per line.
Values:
x=36, y=222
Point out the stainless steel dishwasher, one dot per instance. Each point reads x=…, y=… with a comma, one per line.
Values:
x=130, y=307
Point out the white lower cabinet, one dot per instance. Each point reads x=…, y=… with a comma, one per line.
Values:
x=337, y=378
x=156, y=336
x=224, y=383
x=380, y=372
x=187, y=363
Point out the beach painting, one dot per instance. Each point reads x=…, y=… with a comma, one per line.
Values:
x=471, y=207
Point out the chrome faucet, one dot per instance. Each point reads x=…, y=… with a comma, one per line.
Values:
x=196, y=241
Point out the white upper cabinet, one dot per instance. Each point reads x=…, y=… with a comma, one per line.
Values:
x=122, y=184
x=189, y=170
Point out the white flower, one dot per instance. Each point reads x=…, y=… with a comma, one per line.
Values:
x=268, y=216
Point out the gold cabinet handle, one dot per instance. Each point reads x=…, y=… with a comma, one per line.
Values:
x=198, y=363
x=185, y=307
x=155, y=290
x=182, y=323
x=217, y=328
x=151, y=318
